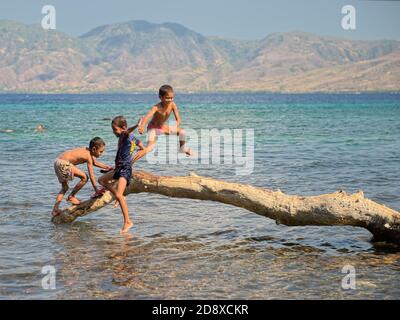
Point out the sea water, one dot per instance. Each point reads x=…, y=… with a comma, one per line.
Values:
x=305, y=144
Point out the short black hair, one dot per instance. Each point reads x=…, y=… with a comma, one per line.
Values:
x=164, y=90
x=119, y=121
x=96, y=142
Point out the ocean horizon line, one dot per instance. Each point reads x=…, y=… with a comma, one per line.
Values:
x=199, y=92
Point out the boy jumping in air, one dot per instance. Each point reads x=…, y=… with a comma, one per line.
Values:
x=65, y=169
x=159, y=115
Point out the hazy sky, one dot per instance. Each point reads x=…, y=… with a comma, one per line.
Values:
x=241, y=19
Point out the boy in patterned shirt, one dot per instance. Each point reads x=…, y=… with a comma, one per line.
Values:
x=127, y=144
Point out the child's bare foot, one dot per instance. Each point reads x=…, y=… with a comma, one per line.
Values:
x=73, y=200
x=126, y=227
x=186, y=150
x=55, y=212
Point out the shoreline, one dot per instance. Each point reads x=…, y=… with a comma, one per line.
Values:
x=195, y=92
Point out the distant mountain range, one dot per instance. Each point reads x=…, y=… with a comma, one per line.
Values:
x=141, y=56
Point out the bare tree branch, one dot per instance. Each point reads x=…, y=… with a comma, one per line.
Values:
x=338, y=208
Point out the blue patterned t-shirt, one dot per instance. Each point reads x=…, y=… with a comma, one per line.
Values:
x=126, y=147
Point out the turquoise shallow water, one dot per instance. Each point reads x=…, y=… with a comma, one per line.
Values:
x=179, y=248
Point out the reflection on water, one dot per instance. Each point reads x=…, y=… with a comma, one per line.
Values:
x=93, y=264
x=257, y=260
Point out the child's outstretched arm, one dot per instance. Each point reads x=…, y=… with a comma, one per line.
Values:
x=101, y=165
x=91, y=173
x=150, y=114
x=129, y=130
x=176, y=114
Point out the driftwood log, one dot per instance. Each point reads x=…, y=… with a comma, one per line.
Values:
x=335, y=209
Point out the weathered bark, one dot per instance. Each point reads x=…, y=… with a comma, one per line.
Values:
x=338, y=208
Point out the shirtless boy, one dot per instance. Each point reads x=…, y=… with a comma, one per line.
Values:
x=159, y=115
x=65, y=169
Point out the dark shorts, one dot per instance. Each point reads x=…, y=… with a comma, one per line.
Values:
x=125, y=171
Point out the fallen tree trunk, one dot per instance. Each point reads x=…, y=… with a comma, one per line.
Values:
x=338, y=208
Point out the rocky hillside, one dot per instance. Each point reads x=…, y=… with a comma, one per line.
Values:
x=140, y=56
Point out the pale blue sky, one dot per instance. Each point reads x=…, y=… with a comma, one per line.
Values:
x=241, y=19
